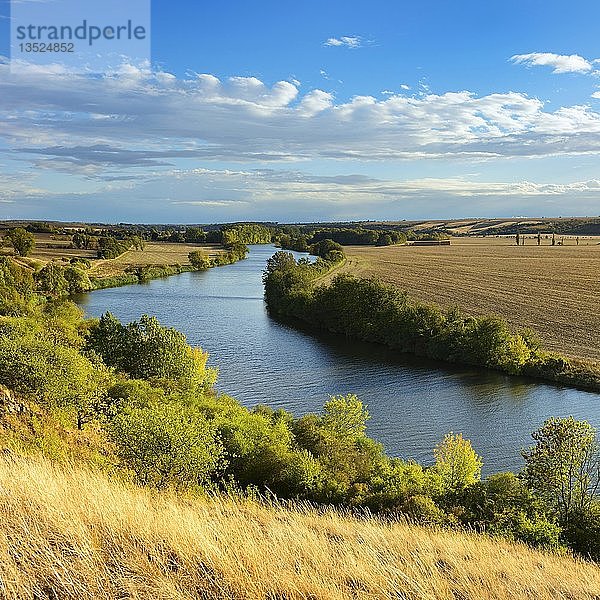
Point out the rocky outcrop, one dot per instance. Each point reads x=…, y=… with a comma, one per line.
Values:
x=9, y=404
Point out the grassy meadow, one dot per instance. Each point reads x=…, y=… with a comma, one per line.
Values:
x=71, y=533
x=58, y=247
x=552, y=289
x=154, y=254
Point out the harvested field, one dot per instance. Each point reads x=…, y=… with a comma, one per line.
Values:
x=54, y=247
x=555, y=290
x=155, y=254
x=58, y=247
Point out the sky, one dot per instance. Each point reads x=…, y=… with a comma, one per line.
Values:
x=313, y=111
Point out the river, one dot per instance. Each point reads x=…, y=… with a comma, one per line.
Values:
x=413, y=402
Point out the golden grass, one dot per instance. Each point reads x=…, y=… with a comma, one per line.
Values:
x=552, y=289
x=71, y=533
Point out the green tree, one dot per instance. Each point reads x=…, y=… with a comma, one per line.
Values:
x=280, y=261
x=385, y=240
x=457, y=463
x=81, y=240
x=33, y=364
x=51, y=280
x=504, y=505
x=145, y=349
x=167, y=444
x=582, y=532
x=345, y=416
x=246, y=233
x=138, y=242
x=347, y=458
x=110, y=247
x=56, y=280
x=195, y=235
x=489, y=341
x=325, y=248
x=564, y=465
x=21, y=240
x=16, y=287
x=199, y=260
x=78, y=280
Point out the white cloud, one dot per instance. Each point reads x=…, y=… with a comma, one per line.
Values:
x=403, y=87
x=596, y=95
x=126, y=139
x=209, y=203
x=133, y=120
x=560, y=63
x=14, y=187
x=315, y=102
x=247, y=186
x=346, y=40
x=203, y=194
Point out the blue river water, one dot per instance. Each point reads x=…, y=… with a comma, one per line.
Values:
x=413, y=402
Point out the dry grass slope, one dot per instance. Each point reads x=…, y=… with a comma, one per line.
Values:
x=552, y=289
x=70, y=533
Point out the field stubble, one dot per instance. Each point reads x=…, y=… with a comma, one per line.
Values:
x=554, y=290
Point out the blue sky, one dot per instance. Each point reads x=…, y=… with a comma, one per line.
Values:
x=315, y=111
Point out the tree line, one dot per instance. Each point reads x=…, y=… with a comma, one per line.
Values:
x=369, y=310
x=228, y=234
x=303, y=237
x=19, y=283
x=111, y=242
x=22, y=287
x=200, y=260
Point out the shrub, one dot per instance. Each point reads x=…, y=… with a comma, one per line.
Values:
x=53, y=374
x=167, y=445
x=199, y=260
x=503, y=505
x=582, y=531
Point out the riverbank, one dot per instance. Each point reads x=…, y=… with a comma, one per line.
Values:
x=138, y=275
x=413, y=401
x=551, y=289
x=135, y=274
x=368, y=310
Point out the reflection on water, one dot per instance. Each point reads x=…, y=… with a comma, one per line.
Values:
x=413, y=402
